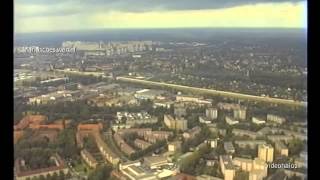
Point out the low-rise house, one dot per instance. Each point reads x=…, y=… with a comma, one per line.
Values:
x=241, y=132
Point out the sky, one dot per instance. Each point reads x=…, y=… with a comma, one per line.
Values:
x=72, y=15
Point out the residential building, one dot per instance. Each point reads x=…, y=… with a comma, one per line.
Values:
x=249, y=143
x=88, y=158
x=265, y=152
x=155, y=161
x=227, y=167
x=204, y=120
x=231, y=121
x=281, y=148
x=141, y=144
x=228, y=106
x=124, y=147
x=276, y=138
x=30, y=120
x=36, y=173
x=212, y=142
x=175, y=123
x=105, y=150
x=212, y=113
x=275, y=119
x=258, y=121
x=239, y=113
x=241, y=132
x=257, y=168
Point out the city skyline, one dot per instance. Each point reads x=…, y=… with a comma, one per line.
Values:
x=71, y=15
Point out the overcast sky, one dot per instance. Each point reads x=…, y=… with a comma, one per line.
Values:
x=65, y=15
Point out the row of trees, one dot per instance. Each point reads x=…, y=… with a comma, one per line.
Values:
x=101, y=173
x=199, y=138
x=193, y=163
x=55, y=176
x=37, y=151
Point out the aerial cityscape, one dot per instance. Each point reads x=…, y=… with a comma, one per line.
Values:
x=160, y=102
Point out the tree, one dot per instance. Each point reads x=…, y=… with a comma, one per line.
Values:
x=55, y=175
x=67, y=144
x=295, y=146
x=48, y=177
x=41, y=177
x=61, y=175
x=101, y=173
x=68, y=175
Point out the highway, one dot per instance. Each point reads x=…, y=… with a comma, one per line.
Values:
x=217, y=92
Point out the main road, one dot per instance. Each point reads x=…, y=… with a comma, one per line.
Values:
x=216, y=92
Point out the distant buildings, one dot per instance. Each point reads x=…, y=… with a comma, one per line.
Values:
x=241, y=132
x=110, y=48
x=51, y=97
x=249, y=143
x=228, y=106
x=131, y=119
x=175, y=123
x=148, y=94
x=163, y=103
x=276, y=138
x=192, y=99
x=266, y=152
x=239, y=113
x=212, y=113
x=258, y=121
x=275, y=119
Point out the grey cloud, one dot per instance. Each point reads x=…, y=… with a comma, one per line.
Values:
x=89, y=6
